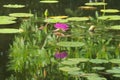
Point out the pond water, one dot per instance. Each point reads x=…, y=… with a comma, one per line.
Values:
x=64, y=7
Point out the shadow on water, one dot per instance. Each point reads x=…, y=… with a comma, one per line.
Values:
x=5, y=41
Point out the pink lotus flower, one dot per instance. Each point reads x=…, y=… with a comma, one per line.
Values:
x=61, y=26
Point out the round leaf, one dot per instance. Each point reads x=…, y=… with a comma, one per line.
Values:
x=98, y=68
x=7, y=18
x=113, y=71
x=14, y=6
x=9, y=31
x=21, y=14
x=95, y=3
x=110, y=17
x=79, y=59
x=115, y=27
x=69, y=69
x=6, y=22
x=55, y=20
x=109, y=10
x=69, y=62
x=98, y=61
x=78, y=19
x=115, y=61
x=52, y=1
x=70, y=44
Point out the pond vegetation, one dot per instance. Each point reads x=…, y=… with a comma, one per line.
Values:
x=62, y=47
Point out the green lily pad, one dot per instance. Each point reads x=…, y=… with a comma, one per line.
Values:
x=115, y=27
x=55, y=20
x=21, y=14
x=95, y=78
x=70, y=44
x=113, y=71
x=98, y=68
x=115, y=67
x=90, y=75
x=9, y=31
x=77, y=18
x=98, y=61
x=116, y=75
x=7, y=18
x=79, y=59
x=6, y=22
x=115, y=61
x=109, y=10
x=49, y=1
x=110, y=17
x=69, y=62
x=76, y=73
x=14, y=6
x=69, y=69
x=95, y=3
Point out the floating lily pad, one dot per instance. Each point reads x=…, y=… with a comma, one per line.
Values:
x=87, y=7
x=14, y=6
x=98, y=68
x=115, y=61
x=98, y=61
x=69, y=69
x=9, y=31
x=79, y=59
x=110, y=17
x=90, y=75
x=7, y=18
x=78, y=18
x=116, y=75
x=95, y=78
x=6, y=22
x=21, y=14
x=69, y=62
x=115, y=67
x=49, y=1
x=115, y=27
x=55, y=20
x=113, y=71
x=95, y=3
x=76, y=73
x=109, y=10
x=70, y=44
x=60, y=17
